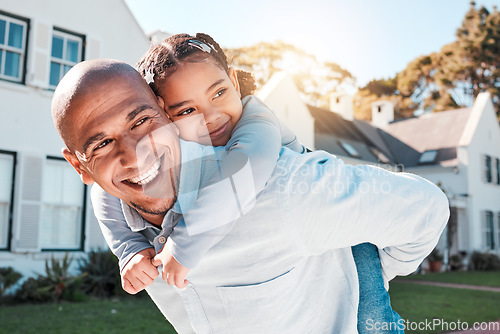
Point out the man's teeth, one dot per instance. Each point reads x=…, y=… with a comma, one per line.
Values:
x=148, y=176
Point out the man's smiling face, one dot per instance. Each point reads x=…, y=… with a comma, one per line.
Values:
x=123, y=140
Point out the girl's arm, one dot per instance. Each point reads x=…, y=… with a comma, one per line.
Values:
x=251, y=157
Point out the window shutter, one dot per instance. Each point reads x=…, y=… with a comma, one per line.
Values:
x=93, y=235
x=29, y=206
x=39, y=50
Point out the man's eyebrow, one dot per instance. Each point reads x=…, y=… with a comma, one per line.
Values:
x=92, y=140
x=131, y=115
x=180, y=104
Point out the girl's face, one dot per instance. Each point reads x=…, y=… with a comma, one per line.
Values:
x=203, y=89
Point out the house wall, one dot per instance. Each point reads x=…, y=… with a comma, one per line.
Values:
x=110, y=31
x=281, y=95
x=483, y=138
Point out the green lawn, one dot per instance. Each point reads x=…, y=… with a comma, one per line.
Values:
x=120, y=316
x=133, y=314
x=486, y=278
x=418, y=303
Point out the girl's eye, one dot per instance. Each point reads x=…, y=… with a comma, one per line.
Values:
x=186, y=112
x=219, y=93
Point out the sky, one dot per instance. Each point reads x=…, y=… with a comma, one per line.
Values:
x=372, y=39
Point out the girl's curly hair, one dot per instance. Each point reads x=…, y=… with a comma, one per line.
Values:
x=163, y=59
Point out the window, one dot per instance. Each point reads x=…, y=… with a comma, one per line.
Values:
x=349, y=149
x=498, y=170
x=487, y=169
x=489, y=230
x=63, y=197
x=381, y=157
x=67, y=51
x=7, y=162
x=13, y=32
x=428, y=157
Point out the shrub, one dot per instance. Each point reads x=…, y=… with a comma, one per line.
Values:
x=484, y=261
x=435, y=256
x=101, y=274
x=55, y=285
x=8, y=277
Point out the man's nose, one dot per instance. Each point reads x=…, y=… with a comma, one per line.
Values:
x=127, y=152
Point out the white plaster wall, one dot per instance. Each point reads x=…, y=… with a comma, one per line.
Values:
x=281, y=95
x=484, y=140
x=111, y=32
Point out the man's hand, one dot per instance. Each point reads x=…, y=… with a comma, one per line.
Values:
x=139, y=272
x=173, y=272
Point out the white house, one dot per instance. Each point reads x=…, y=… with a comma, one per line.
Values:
x=459, y=150
x=44, y=207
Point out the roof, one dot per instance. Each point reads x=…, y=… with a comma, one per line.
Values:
x=336, y=135
x=440, y=131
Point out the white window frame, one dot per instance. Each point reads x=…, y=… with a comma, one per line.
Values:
x=81, y=214
x=10, y=204
x=5, y=47
x=65, y=35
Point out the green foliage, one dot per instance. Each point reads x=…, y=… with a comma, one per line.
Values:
x=461, y=70
x=8, y=277
x=484, y=261
x=448, y=79
x=314, y=79
x=57, y=283
x=101, y=274
x=435, y=256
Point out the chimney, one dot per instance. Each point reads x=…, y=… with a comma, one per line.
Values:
x=342, y=104
x=382, y=113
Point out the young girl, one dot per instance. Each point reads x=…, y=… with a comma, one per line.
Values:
x=210, y=104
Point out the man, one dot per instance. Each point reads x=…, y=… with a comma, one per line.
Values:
x=286, y=266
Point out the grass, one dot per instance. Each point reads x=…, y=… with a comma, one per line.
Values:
x=133, y=314
x=421, y=303
x=118, y=316
x=485, y=278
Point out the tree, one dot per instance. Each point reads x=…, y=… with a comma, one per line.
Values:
x=455, y=75
x=315, y=80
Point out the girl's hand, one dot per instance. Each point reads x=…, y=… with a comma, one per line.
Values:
x=173, y=272
x=139, y=272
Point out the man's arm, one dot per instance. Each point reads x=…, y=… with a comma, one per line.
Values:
x=344, y=205
x=133, y=250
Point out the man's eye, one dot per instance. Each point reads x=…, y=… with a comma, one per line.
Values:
x=102, y=144
x=186, y=112
x=220, y=92
x=141, y=121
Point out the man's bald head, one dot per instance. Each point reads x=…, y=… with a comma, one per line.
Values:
x=81, y=83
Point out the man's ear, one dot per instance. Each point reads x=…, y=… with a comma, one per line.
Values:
x=233, y=75
x=73, y=160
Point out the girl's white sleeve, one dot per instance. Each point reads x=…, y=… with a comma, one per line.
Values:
x=252, y=153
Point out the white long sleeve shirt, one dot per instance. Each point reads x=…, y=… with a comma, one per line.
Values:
x=286, y=265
